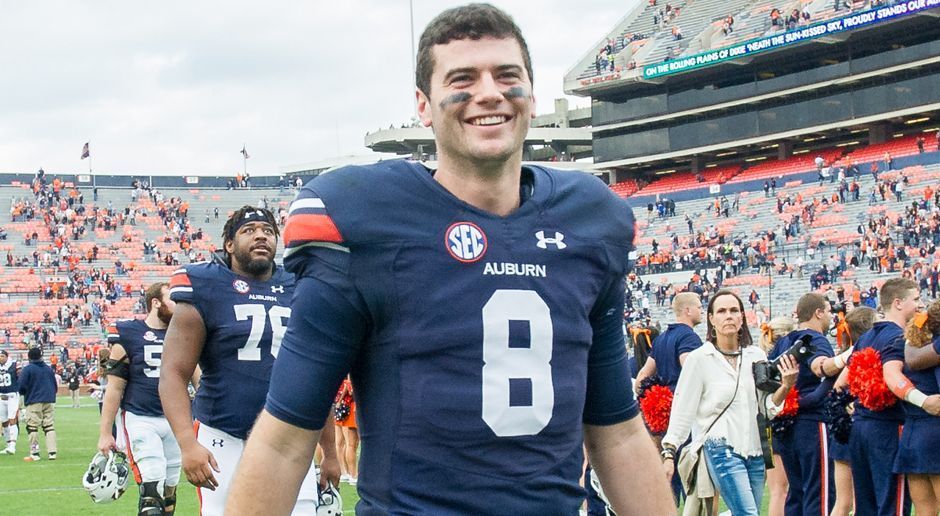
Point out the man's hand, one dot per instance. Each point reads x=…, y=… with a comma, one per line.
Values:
x=198, y=465
x=932, y=405
x=106, y=444
x=329, y=471
x=789, y=370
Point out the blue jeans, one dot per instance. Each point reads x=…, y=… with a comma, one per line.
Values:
x=740, y=479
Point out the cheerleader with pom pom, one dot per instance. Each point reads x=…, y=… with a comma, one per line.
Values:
x=777, y=485
x=918, y=454
x=856, y=323
x=716, y=395
x=874, y=373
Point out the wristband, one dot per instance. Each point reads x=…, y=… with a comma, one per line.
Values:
x=916, y=398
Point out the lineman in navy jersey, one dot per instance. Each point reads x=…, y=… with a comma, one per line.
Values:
x=9, y=402
x=133, y=369
x=230, y=318
x=479, y=308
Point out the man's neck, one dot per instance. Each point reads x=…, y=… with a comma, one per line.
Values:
x=256, y=277
x=896, y=318
x=153, y=321
x=810, y=326
x=685, y=321
x=489, y=186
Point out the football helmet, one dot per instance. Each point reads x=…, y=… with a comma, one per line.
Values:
x=329, y=502
x=596, y=484
x=106, y=477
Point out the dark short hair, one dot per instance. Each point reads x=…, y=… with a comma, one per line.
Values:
x=34, y=353
x=894, y=289
x=471, y=21
x=808, y=304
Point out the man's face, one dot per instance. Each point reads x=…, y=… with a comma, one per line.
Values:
x=909, y=306
x=695, y=312
x=480, y=101
x=165, y=310
x=825, y=316
x=253, y=247
x=3, y=359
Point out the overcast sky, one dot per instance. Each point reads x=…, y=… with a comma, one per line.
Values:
x=174, y=87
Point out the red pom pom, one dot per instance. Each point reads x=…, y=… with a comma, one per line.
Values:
x=656, y=404
x=866, y=380
x=791, y=405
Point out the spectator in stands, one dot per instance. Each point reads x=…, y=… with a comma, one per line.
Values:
x=776, y=20
x=794, y=19
x=920, y=144
x=887, y=160
x=38, y=388
x=676, y=33
x=727, y=26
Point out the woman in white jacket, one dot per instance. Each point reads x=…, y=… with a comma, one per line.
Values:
x=719, y=375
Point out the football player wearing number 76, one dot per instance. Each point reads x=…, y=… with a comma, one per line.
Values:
x=478, y=307
x=230, y=317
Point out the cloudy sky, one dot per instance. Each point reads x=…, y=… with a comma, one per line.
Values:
x=175, y=87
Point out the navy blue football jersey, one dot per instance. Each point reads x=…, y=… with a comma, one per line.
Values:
x=478, y=345
x=887, y=338
x=8, y=375
x=678, y=338
x=811, y=408
x=144, y=348
x=245, y=322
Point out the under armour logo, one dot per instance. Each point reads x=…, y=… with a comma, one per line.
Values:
x=279, y=289
x=217, y=443
x=558, y=240
x=249, y=214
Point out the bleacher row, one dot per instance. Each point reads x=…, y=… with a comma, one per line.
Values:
x=773, y=168
x=21, y=304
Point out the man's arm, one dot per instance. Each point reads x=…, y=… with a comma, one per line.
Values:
x=275, y=449
x=330, y=470
x=903, y=388
x=182, y=347
x=112, y=398
x=618, y=453
x=648, y=369
x=920, y=358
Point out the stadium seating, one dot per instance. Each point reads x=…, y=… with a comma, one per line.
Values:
x=20, y=302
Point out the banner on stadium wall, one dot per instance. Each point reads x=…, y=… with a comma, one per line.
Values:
x=714, y=189
x=84, y=178
x=810, y=32
x=192, y=180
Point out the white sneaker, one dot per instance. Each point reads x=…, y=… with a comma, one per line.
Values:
x=353, y=481
x=344, y=478
x=10, y=449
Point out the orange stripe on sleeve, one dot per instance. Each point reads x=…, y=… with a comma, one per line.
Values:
x=311, y=227
x=180, y=279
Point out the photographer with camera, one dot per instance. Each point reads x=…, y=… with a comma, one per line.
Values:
x=804, y=447
x=873, y=445
x=716, y=395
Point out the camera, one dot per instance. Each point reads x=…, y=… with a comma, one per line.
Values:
x=767, y=373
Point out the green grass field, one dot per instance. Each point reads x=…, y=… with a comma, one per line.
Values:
x=48, y=488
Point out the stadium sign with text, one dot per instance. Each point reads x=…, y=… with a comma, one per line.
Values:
x=809, y=32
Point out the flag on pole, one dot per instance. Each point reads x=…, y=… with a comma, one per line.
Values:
x=245, y=153
x=85, y=151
